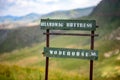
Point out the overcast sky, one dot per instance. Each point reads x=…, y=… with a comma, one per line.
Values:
x=23, y=7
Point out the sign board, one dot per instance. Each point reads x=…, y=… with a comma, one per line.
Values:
x=71, y=53
x=62, y=24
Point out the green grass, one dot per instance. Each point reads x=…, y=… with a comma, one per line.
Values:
x=19, y=73
x=63, y=68
x=21, y=37
x=28, y=63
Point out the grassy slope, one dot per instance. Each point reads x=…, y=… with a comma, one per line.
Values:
x=69, y=14
x=106, y=68
x=32, y=57
x=21, y=37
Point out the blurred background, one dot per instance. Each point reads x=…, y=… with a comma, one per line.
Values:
x=22, y=40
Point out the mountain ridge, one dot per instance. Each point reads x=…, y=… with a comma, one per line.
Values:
x=106, y=27
x=74, y=13
x=107, y=16
x=11, y=18
x=107, y=67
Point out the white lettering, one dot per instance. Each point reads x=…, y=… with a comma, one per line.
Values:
x=68, y=53
x=60, y=52
x=82, y=53
x=78, y=24
x=60, y=24
x=86, y=54
x=55, y=52
x=67, y=24
x=43, y=24
x=77, y=53
x=81, y=25
x=71, y=24
x=93, y=54
x=56, y=24
x=73, y=53
x=89, y=25
x=51, y=51
x=63, y=52
x=51, y=24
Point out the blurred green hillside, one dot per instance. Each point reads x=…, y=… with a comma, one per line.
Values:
x=28, y=63
x=68, y=14
x=107, y=15
x=21, y=35
x=18, y=38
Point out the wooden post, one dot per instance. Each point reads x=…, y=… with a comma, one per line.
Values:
x=91, y=61
x=47, y=58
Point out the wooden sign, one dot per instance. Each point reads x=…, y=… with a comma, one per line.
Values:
x=71, y=53
x=62, y=24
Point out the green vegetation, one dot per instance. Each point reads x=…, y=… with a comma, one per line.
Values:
x=67, y=14
x=19, y=73
x=28, y=63
x=63, y=68
x=20, y=37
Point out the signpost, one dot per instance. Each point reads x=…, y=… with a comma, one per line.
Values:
x=86, y=25
x=62, y=24
x=71, y=53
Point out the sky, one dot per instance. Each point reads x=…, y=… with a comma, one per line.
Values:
x=24, y=7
